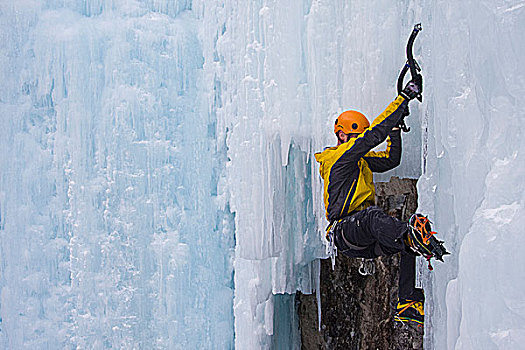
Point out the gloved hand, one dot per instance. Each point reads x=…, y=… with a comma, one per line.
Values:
x=414, y=88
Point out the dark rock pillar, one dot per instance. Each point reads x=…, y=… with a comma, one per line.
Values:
x=357, y=311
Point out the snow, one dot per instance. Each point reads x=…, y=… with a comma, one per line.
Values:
x=158, y=188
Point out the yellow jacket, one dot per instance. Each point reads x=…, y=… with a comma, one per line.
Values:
x=347, y=169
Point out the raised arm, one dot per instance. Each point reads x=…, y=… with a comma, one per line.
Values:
x=386, y=160
x=357, y=148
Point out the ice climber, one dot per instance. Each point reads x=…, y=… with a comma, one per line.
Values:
x=360, y=228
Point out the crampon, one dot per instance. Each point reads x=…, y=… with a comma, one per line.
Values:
x=422, y=239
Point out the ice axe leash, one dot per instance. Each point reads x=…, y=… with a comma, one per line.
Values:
x=411, y=64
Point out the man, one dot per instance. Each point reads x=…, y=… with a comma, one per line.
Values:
x=360, y=228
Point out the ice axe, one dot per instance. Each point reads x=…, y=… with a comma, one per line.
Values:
x=411, y=64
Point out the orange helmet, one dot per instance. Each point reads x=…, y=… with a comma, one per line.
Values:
x=351, y=122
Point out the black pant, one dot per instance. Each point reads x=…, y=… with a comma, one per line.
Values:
x=370, y=233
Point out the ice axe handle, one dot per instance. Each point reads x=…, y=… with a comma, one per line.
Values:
x=411, y=63
x=414, y=68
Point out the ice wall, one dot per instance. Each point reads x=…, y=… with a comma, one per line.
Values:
x=157, y=185
x=112, y=234
x=473, y=181
x=261, y=90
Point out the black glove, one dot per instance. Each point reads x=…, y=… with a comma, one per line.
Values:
x=413, y=89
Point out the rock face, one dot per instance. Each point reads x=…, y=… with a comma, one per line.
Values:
x=357, y=310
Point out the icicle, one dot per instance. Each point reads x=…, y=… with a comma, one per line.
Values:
x=331, y=249
x=317, y=272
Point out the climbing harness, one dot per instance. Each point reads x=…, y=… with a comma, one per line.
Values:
x=411, y=64
x=367, y=267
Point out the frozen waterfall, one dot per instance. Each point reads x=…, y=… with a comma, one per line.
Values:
x=157, y=185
